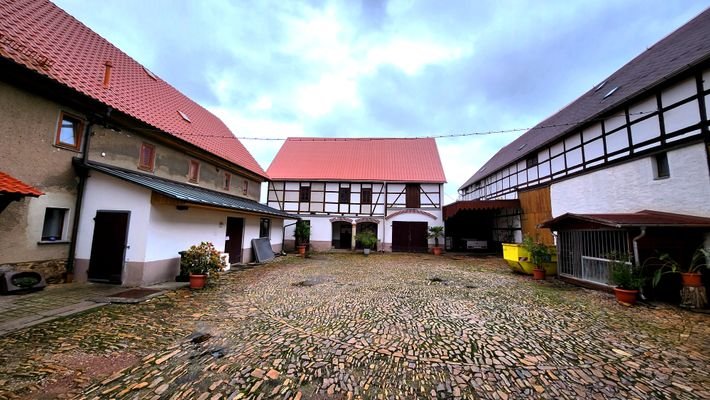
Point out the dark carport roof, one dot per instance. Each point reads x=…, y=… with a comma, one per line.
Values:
x=645, y=218
x=451, y=209
x=189, y=193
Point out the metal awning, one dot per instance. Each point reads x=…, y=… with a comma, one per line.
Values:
x=645, y=218
x=451, y=209
x=190, y=194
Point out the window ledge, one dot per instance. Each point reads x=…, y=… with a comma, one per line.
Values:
x=43, y=242
x=661, y=178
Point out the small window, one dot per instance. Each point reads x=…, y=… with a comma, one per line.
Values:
x=245, y=187
x=531, y=161
x=69, y=132
x=413, y=199
x=366, y=196
x=193, y=173
x=147, y=157
x=227, y=181
x=344, y=196
x=661, y=168
x=304, y=194
x=53, y=228
x=265, y=228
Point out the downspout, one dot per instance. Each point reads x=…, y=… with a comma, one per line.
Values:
x=637, y=258
x=83, y=175
x=384, y=215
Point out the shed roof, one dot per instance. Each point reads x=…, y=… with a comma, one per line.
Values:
x=686, y=47
x=363, y=159
x=645, y=218
x=14, y=186
x=189, y=193
x=451, y=209
x=43, y=38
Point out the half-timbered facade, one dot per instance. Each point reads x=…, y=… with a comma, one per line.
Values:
x=638, y=140
x=392, y=187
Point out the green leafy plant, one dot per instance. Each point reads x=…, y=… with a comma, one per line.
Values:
x=366, y=238
x=667, y=265
x=624, y=274
x=435, y=232
x=201, y=259
x=302, y=232
x=539, y=252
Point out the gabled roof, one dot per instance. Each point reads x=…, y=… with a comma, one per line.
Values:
x=42, y=37
x=365, y=159
x=14, y=186
x=190, y=194
x=688, y=46
x=647, y=218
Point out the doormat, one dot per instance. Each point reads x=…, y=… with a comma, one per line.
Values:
x=130, y=296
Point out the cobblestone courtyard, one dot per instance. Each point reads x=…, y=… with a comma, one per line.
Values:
x=345, y=326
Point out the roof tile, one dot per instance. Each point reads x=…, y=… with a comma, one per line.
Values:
x=10, y=185
x=35, y=30
x=363, y=159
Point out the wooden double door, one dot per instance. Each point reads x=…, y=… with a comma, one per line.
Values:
x=410, y=236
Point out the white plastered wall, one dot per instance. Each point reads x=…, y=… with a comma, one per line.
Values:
x=631, y=187
x=105, y=193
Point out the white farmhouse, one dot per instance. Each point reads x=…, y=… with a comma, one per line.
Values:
x=392, y=187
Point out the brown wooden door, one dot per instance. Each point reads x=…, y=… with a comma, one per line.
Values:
x=413, y=199
x=108, y=246
x=537, y=209
x=233, y=242
x=409, y=236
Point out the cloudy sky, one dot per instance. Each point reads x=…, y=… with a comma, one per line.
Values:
x=274, y=68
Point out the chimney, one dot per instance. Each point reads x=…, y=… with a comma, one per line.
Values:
x=107, y=74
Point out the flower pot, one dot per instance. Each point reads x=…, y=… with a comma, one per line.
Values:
x=691, y=279
x=366, y=252
x=538, y=274
x=197, y=281
x=436, y=250
x=301, y=249
x=625, y=296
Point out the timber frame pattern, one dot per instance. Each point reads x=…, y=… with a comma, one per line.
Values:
x=674, y=114
x=324, y=197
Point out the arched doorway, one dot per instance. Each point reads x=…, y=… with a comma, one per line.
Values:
x=342, y=235
x=365, y=226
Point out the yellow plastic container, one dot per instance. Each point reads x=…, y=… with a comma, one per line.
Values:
x=519, y=259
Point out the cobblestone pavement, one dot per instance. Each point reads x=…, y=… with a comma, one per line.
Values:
x=346, y=326
x=17, y=311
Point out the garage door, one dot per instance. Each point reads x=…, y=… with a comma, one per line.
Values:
x=409, y=236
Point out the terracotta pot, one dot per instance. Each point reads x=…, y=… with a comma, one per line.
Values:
x=436, y=251
x=626, y=296
x=197, y=281
x=301, y=249
x=691, y=279
x=538, y=274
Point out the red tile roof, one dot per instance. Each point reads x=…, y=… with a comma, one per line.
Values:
x=45, y=39
x=10, y=185
x=688, y=46
x=367, y=159
x=647, y=218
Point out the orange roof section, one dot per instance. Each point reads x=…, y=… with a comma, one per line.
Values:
x=10, y=185
x=366, y=159
x=42, y=37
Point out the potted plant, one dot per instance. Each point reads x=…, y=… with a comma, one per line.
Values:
x=628, y=278
x=435, y=232
x=539, y=254
x=302, y=234
x=367, y=239
x=199, y=261
x=690, y=276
